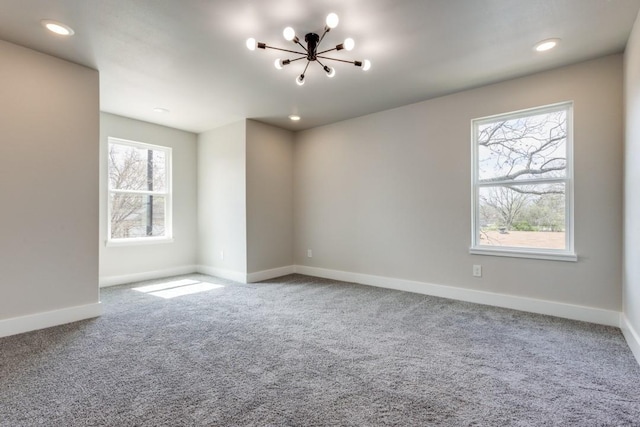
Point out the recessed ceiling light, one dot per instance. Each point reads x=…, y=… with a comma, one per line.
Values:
x=160, y=110
x=545, y=45
x=294, y=117
x=57, y=27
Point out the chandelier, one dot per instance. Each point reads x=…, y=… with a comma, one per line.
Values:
x=311, y=53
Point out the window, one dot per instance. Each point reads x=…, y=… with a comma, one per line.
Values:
x=139, y=192
x=523, y=184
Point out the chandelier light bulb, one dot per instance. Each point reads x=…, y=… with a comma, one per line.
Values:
x=330, y=71
x=251, y=44
x=366, y=65
x=289, y=33
x=280, y=63
x=300, y=80
x=332, y=20
x=349, y=44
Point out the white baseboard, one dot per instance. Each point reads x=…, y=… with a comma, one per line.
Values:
x=236, y=276
x=259, y=276
x=631, y=335
x=567, y=311
x=106, y=281
x=32, y=322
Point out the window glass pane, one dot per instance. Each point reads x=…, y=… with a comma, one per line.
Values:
x=133, y=168
x=531, y=147
x=136, y=215
x=531, y=216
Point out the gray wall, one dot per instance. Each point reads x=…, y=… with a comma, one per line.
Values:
x=245, y=199
x=389, y=194
x=269, y=197
x=632, y=183
x=177, y=256
x=222, y=209
x=49, y=130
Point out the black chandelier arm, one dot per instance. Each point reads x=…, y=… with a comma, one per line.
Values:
x=326, y=30
x=298, y=58
x=284, y=50
x=336, y=59
x=320, y=63
x=303, y=46
x=328, y=50
x=305, y=68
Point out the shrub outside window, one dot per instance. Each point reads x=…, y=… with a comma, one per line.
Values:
x=139, y=192
x=523, y=184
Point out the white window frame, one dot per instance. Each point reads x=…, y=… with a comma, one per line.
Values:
x=168, y=219
x=567, y=254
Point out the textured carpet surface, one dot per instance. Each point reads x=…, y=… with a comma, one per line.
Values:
x=305, y=351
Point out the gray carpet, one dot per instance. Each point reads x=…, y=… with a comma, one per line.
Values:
x=305, y=351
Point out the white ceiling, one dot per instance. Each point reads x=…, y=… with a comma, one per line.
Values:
x=189, y=56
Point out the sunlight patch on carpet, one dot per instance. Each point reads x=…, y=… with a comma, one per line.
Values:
x=177, y=288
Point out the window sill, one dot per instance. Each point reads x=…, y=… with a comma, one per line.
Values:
x=525, y=253
x=138, y=241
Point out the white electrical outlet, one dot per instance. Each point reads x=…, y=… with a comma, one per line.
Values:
x=222, y=255
x=477, y=271
x=309, y=253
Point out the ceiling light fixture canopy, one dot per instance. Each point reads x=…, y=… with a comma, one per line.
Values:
x=311, y=53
